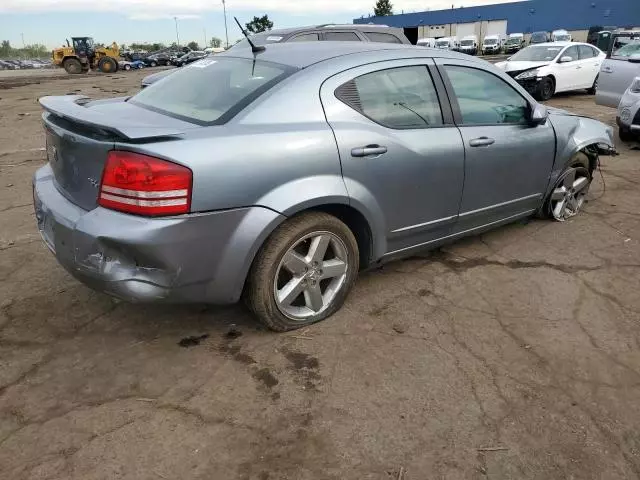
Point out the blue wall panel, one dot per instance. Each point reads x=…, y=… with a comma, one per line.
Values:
x=528, y=16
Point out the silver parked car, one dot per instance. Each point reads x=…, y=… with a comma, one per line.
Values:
x=629, y=112
x=619, y=69
x=305, y=164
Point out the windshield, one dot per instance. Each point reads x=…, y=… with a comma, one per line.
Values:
x=466, y=43
x=539, y=37
x=188, y=94
x=514, y=41
x=442, y=43
x=490, y=41
x=625, y=47
x=536, y=54
x=562, y=38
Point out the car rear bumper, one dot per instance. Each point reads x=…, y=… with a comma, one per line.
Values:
x=197, y=258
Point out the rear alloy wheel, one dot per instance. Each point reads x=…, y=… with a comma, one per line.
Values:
x=72, y=66
x=546, y=89
x=594, y=88
x=568, y=196
x=127, y=67
x=154, y=64
x=303, y=273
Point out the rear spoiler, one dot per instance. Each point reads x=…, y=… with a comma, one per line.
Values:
x=71, y=107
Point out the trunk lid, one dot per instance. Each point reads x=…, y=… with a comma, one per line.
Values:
x=80, y=134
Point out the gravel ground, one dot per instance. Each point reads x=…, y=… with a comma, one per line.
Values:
x=512, y=355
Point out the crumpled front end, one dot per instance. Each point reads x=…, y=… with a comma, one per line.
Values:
x=629, y=109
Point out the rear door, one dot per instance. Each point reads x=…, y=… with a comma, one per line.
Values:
x=590, y=65
x=507, y=162
x=400, y=151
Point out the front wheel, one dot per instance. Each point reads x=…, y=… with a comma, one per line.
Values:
x=154, y=64
x=303, y=273
x=107, y=65
x=625, y=134
x=570, y=191
x=546, y=89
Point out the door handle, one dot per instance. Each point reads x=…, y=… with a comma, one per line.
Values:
x=369, y=151
x=607, y=70
x=578, y=67
x=482, y=142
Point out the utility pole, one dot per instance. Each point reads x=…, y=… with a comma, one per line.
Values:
x=23, y=44
x=177, y=34
x=226, y=32
x=204, y=30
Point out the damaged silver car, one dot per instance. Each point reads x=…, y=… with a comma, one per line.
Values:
x=304, y=165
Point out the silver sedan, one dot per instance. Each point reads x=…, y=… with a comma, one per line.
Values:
x=277, y=176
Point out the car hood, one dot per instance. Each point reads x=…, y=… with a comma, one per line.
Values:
x=520, y=66
x=149, y=79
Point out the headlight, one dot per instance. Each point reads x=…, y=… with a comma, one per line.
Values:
x=528, y=74
x=635, y=86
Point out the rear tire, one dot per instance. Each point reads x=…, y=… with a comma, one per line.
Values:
x=153, y=64
x=107, y=65
x=127, y=67
x=72, y=66
x=271, y=276
x=594, y=88
x=546, y=89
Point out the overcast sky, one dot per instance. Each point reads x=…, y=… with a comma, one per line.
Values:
x=126, y=21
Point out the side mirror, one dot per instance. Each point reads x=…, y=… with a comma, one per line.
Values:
x=566, y=59
x=539, y=115
x=635, y=58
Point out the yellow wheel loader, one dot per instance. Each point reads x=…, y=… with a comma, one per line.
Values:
x=81, y=56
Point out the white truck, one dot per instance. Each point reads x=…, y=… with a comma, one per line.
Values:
x=426, y=42
x=469, y=45
x=492, y=44
x=447, y=43
x=560, y=36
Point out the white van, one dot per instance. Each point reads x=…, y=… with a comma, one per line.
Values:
x=426, y=42
x=560, y=36
x=446, y=43
x=492, y=44
x=469, y=45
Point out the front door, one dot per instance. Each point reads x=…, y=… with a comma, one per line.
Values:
x=508, y=162
x=399, y=153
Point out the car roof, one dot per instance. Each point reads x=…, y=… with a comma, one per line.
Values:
x=305, y=54
x=327, y=26
x=558, y=44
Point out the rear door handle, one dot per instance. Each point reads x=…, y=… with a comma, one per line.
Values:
x=607, y=70
x=482, y=142
x=369, y=151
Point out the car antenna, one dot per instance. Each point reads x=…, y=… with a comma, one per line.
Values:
x=254, y=48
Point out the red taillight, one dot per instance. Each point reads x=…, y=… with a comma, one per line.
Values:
x=144, y=185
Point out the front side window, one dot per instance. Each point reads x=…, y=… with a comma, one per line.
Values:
x=485, y=99
x=401, y=98
x=341, y=37
x=572, y=52
x=382, y=37
x=188, y=93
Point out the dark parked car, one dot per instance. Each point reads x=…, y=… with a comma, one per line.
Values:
x=190, y=58
x=279, y=176
x=157, y=59
x=539, y=37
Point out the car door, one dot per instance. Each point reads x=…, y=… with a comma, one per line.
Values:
x=590, y=65
x=507, y=162
x=400, y=151
x=568, y=74
x=617, y=72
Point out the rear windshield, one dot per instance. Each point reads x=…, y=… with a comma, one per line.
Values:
x=211, y=90
x=539, y=37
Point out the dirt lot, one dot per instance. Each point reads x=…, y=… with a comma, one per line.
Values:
x=511, y=355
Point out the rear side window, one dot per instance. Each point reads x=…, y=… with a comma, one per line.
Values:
x=211, y=90
x=341, y=36
x=382, y=37
x=485, y=99
x=586, y=52
x=400, y=98
x=305, y=37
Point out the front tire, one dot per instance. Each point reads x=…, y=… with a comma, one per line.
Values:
x=625, y=134
x=154, y=64
x=570, y=191
x=107, y=65
x=546, y=90
x=303, y=273
x=72, y=66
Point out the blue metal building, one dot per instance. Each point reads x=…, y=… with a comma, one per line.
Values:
x=526, y=16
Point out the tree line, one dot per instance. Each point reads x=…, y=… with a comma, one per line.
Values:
x=28, y=51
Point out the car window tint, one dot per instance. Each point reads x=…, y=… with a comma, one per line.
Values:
x=341, y=36
x=401, y=98
x=188, y=94
x=305, y=37
x=382, y=37
x=586, y=52
x=485, y=99
x=572, y=52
